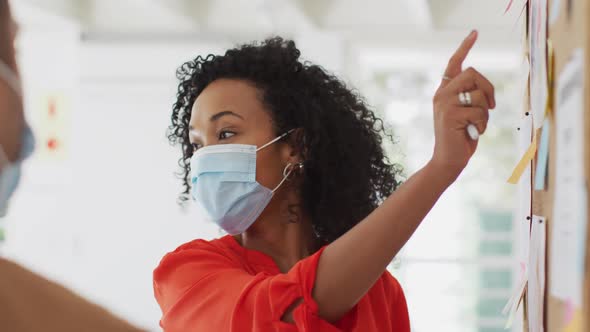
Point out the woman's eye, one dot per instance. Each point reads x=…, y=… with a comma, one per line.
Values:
x=225, y=134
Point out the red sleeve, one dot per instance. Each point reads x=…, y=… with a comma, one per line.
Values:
x=400, y=319
x=200, y=289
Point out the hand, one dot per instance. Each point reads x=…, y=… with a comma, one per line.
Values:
x=453, y=147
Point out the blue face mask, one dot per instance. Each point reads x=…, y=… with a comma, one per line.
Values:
x=224, y=184
x=10, y=171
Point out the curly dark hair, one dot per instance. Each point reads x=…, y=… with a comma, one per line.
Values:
x=346, y=174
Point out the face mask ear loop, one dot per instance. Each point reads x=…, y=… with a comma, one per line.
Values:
x=274, y=140
x=286, y=172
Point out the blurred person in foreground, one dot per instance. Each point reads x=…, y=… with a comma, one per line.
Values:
x=29, y=302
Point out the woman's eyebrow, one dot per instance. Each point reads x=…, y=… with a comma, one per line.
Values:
x=217, y=116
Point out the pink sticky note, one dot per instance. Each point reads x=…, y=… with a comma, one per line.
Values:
x=509, y=5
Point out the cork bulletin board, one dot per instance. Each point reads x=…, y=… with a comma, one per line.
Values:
x=568, y=32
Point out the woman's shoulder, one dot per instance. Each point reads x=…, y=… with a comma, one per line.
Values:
x=180, y=270
x=202, y=244
x=200, y=249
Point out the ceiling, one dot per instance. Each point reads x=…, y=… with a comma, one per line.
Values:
x=382, y=22
x=367, y=36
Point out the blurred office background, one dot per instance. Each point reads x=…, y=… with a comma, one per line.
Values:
x=97, y=208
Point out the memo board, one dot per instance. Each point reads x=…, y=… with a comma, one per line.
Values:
x=569, y=31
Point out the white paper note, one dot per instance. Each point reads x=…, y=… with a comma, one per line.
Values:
x=524, y=185
x=536, y=272
x=514, y=302
x=522, y=220
x=570, y=205
x=538, y=44
x=521, y=86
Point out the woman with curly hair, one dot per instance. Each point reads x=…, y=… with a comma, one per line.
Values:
x=288, y=161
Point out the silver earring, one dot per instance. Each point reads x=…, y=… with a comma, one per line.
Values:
x=291, y=167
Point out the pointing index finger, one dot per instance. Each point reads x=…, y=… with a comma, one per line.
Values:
x=454, y=67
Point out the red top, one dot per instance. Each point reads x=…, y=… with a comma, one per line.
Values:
x=221, y=286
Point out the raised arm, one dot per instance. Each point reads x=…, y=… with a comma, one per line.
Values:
x=350, y=265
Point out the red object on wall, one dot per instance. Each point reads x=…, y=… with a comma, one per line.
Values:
x=52, y=108
x=52, y=144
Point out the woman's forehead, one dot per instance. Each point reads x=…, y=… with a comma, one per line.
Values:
x=228, y=90
x=223, y=95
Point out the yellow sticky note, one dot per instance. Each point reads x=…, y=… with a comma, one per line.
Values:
x=575, y=325
x=524, y=162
